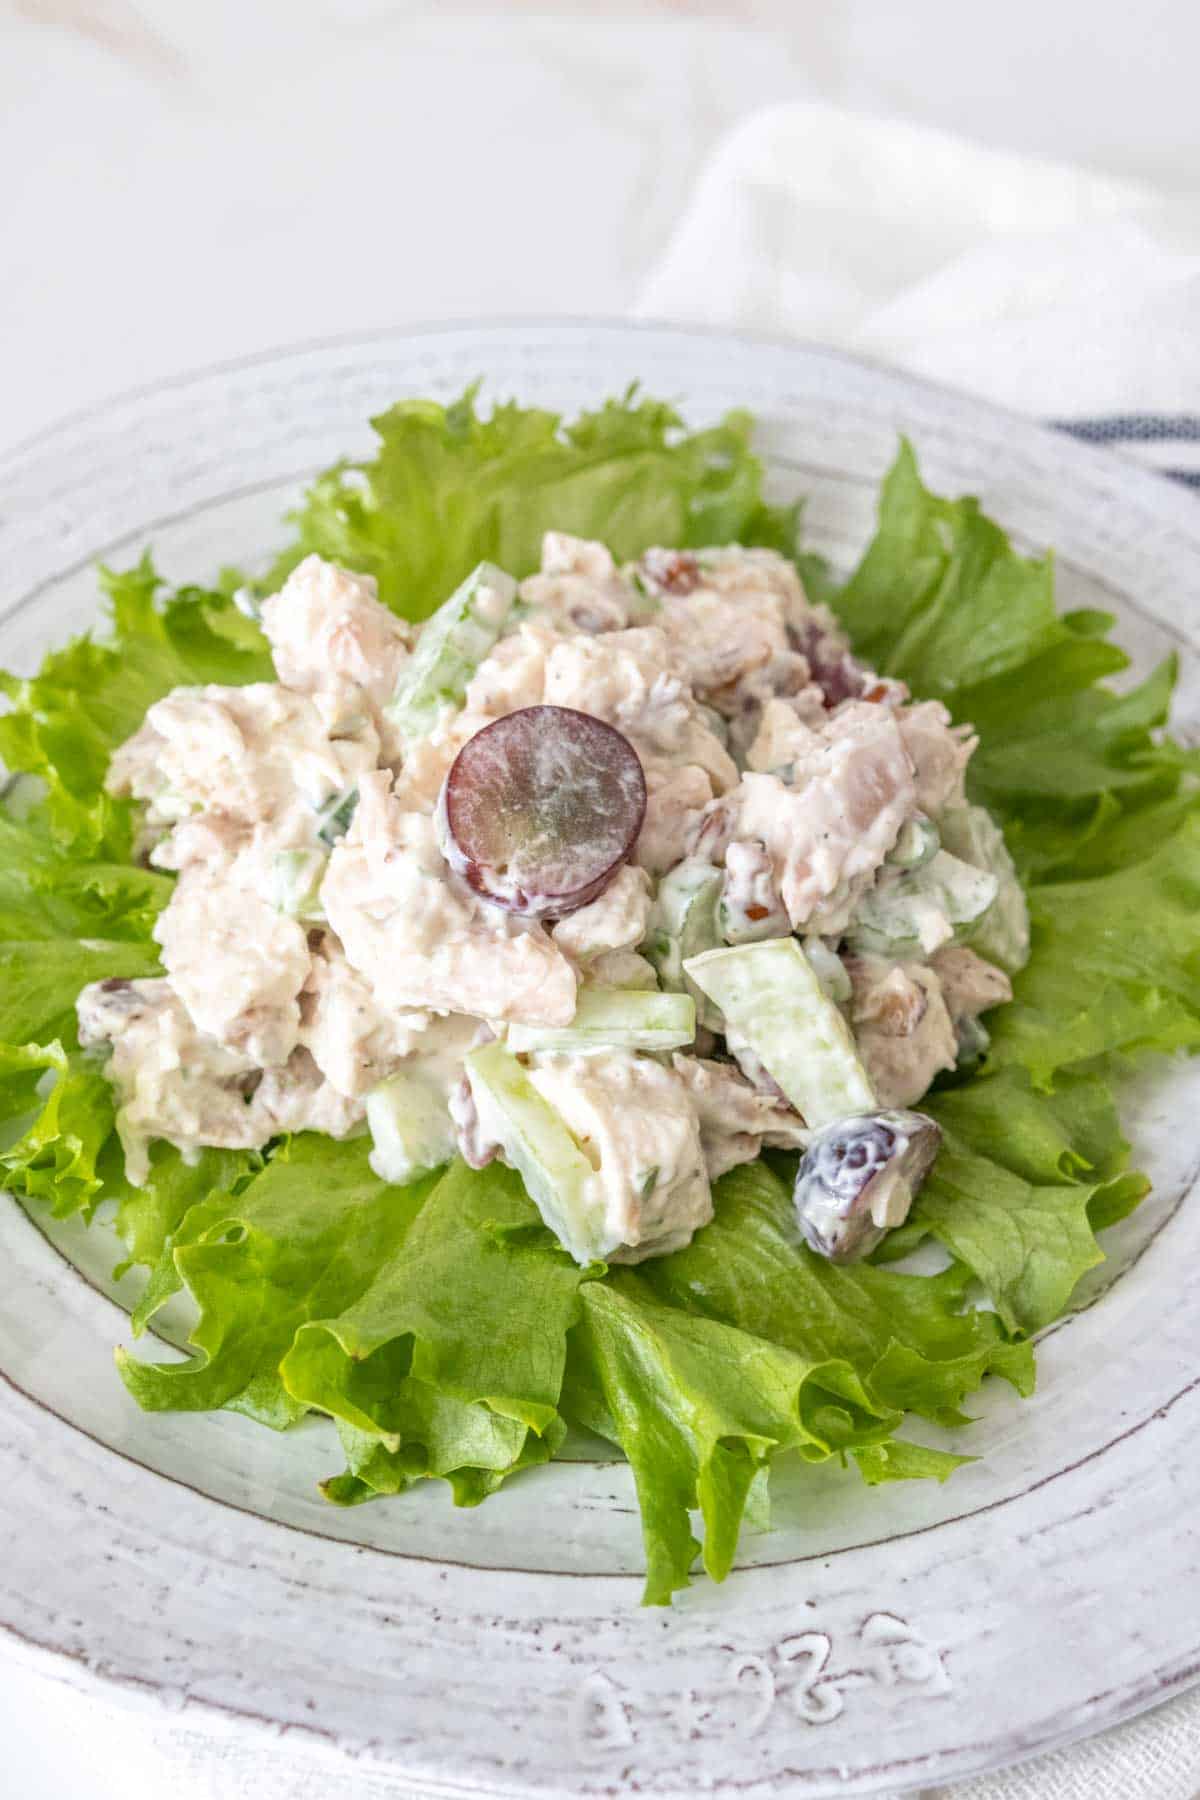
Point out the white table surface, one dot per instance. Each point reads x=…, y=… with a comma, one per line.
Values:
x=190, y=180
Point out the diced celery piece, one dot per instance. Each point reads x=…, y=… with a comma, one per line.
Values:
x=614, y=1018
x=683, y=923
x=1002, y=934
x=623, y=969
x=919, y=840
x=298, y=875
x=411, y=1128
x=771, y=996
x=558, y=1176
x=450, y=647
x=333, y=820
x=829, y=969
x=912, y=912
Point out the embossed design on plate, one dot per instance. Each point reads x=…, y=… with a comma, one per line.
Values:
x=739, y=1693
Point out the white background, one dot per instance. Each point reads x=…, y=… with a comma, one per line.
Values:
x=187, y=180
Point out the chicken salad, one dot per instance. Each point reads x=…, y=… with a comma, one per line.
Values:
x=545, y=820
x=543, y=955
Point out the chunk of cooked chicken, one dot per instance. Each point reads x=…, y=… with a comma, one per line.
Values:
x=174, y=1082
x=422, y=937
x=354, y=1041
x=970, y=985
x=248, y=753
x=736, y=1119
x=829, y=829
x=635, y=1123
x=939, y=751
x=579, y=587
x=617, y=920
x=237, y=965
x=331, y=639
x=904, y=1033
x=725, y=616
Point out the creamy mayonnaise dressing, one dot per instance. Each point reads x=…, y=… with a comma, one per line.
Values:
x=318, y=943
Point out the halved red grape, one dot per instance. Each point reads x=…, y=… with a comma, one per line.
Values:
x=540, y=809
x=857, y=1179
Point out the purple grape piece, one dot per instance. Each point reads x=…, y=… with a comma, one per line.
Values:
x=848, y=1166
x=839, y=675
x=540, y=809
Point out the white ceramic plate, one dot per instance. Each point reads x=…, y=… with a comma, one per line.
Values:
x=873, y=1640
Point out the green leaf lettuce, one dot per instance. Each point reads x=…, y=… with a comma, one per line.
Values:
x=440, y=1326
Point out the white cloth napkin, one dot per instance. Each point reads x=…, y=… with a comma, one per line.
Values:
x=1048, y=289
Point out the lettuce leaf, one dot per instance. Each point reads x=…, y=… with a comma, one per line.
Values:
x=65, y=921
x=56, y=1157
x=449, y=488
x=301, y=1240
x=907, y=1335
x=1022, y=1183
x=1116, y=962
x=942, y=600
x=66, y=721
x=459, y=1341
x=147, y=1217
x=698, y=1407
x=47, y=895
x=440, y=1326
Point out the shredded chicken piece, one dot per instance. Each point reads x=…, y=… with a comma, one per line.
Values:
x=939, y=751
x=970, y=985
x=331, y=639
x=904, y=1033
x=579, y=587
x=752, y=902
x=634, y=1121
x=736, y=1119
x=615, y=921
x=830, y=829
x=175, y=1083
x=355, y=1042
x=423, y=937
x=237, y=965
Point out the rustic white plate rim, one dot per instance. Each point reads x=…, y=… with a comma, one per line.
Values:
x=791, y=1680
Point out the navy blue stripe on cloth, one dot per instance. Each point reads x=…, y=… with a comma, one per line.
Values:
x=1135, y=428
x=1161, y=434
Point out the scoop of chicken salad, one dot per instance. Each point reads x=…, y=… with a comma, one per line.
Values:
x=618, y=875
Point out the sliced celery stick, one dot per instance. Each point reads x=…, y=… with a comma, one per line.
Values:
x=411, y=1128
x=1002, y=934
x=560, y=1180
x=770, y=994
x=298, y=875
x=450, y=647
x=683, y=923
x=918, y=841
x=614, y=1018
x=912, y=912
